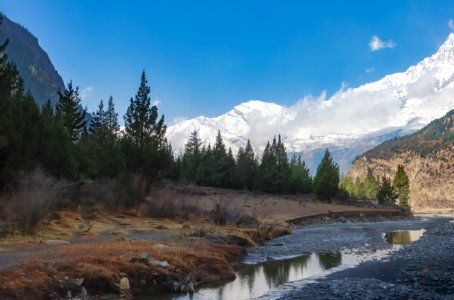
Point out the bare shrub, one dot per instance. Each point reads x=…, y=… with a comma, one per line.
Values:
x=108, y=193
x=223, y=214
x=36, y=195
x=139, y=186
x=166, y=204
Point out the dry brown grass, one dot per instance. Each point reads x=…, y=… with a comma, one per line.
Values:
x=101, y=266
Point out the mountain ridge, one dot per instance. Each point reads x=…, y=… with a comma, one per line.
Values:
x=32, y=62
x=427, y=156
x=350, y=122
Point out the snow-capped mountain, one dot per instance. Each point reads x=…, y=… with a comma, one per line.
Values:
x=349, y=123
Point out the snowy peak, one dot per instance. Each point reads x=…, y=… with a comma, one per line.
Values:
x=257, y=106
x=350, y=122
x=445, y=53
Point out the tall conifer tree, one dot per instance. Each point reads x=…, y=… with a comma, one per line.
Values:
x=326, y=180
x=70, y=112
x=401, y=184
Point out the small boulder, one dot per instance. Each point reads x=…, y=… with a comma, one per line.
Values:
x=124, y=284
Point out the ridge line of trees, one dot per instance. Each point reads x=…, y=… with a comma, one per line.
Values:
x=57, y=140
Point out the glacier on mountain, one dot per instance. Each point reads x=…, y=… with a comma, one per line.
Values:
x=348, y=123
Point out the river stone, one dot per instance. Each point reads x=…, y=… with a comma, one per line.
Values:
x=84, y=291
x=160, y=247
x=143, y=255
x=124, y=283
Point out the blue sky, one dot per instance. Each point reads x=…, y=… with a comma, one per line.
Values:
x=204, y=57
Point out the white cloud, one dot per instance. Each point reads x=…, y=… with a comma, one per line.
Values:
x=85, y=92
x=376, y=44
x=370, y=70
x=451, y=24
x=177, y=120
x=156, y=102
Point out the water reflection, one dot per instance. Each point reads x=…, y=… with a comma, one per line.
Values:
x=403, y=237
x=255, y=280
x=330, y=260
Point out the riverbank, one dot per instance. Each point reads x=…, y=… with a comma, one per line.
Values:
x=88, y=251
x=422, y=270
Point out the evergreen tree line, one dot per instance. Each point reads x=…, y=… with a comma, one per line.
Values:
x=58, y=140
x=384, y=190
x=216, y=166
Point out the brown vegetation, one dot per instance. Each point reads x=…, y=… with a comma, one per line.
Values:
x=200, y=232
x=102, y=265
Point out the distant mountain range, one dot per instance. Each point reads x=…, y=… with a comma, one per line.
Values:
x=428, y=159
x=349, y=123
x=32, y=62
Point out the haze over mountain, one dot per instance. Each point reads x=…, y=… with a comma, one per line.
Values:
x=32, y=62
x=348, y=123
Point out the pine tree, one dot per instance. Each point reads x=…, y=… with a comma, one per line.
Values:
x=69, y=111
x=230, y=165
x=19, y=119
x=205, y=171
x=326, y=180
x=281, y=164
x=144, y=144
x=386, y=192
x=101, y=150
x=246, y=167
x=220, y=163
x=300, y=180
x=267, y=171
x=111, y=119
x=401, y=184
x=141, y=119
x=370, y=185
x=56, y=150
x=191, y=157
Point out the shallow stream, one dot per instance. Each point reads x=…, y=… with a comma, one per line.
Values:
x=254, y=280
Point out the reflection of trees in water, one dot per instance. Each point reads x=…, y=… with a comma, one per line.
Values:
x=278, y=272
x=330, y=260
x=247, y=273
x=398, y=237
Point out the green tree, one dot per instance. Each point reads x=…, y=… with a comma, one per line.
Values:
x=300, y=180
x=101, y=149
x=191, y=157
x=401, y=184
x=19, y=120
x=370, y=185
x=145, y=146
x=205, y=170
x=246, y=167
x=326, y=180
x=347, y=184
x=56, y=152
x=282, y=164
x=230, y=165
x=70, y=112
x=267, y=171
x=386, y=192
x=221, y=163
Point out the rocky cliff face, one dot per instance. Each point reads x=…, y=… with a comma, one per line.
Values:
x=428, y=159
x=431, y=177
x=32, y=62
